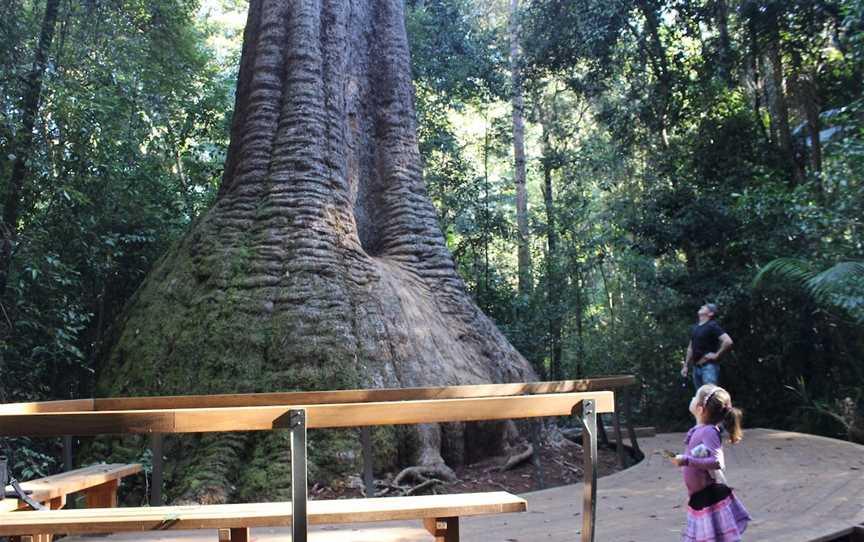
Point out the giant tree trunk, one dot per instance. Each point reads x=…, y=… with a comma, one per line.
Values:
x=321, y=264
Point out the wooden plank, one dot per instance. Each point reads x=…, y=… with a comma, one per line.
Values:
x=318, y=416
x=75, y=405
x=238, y=516
x=451, y=410
x=322, y=397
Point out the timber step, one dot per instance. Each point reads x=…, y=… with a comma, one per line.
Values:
x=277, y=514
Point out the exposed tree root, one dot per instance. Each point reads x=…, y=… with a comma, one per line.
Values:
x=517, y=459
x=422, y=473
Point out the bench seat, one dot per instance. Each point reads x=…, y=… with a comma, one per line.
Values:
x=278, y=514
x=99, y=482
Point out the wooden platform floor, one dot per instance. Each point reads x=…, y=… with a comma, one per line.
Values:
x=797, y=487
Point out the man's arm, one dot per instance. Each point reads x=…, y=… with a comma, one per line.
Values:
x=725, y=346
x=688, y=360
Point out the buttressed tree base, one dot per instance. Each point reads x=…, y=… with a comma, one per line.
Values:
x=320, y=266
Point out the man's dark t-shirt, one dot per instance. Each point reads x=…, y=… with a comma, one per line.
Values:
x=705, y=339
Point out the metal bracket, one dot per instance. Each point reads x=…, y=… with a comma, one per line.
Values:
x=589, y=449
x=299, y=495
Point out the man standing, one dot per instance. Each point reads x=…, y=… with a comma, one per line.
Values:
x=708, y=343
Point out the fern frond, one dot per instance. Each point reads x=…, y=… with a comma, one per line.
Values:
x=786, y=270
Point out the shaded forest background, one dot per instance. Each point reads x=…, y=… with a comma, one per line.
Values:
x=673, y=150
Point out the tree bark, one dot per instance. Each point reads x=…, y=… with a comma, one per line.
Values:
x=24, y=144
x=321, y=264
x=523, y=240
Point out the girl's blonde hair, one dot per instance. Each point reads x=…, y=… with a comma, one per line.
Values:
x=717, y=405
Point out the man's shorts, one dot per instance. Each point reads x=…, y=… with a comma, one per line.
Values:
x=707, y=373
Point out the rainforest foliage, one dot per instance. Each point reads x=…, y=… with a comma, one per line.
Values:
x=678, y=152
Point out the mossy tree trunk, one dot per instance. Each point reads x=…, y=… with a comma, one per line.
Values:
x=321, y=264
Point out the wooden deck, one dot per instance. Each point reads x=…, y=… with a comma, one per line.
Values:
x=797, y=487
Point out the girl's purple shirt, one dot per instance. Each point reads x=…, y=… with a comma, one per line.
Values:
x=696, y=469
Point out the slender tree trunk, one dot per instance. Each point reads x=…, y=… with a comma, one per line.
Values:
x=486, y=218
x=607, y=293
x=321, y=264
x=580, y=351
x=810, y=104
x=24, y=142
x=755, y=55
x=660, y=66
x=780, y=108
x=552, y=276
x=722, y=14
x=523, y=241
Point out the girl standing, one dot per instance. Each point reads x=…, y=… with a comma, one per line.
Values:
x=714, y=514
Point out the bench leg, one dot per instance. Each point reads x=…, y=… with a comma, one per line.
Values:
x=54, y=504
x=443, y=529
x=240, y=534
x=103, y=495
x=619, y=441
x=628, y=411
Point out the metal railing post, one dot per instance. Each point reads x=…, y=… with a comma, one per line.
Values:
x=589, y=449
x=368, y=477
x=299, y=495
x=67, y=453
x=156, y=475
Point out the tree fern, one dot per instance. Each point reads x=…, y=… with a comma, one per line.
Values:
x=840, y=286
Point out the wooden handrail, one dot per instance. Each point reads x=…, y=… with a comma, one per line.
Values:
x=197, y=420
x=320, y=397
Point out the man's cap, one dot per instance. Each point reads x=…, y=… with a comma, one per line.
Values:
x=712, y=307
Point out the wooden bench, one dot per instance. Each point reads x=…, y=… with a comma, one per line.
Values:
x=98, y=482
x=439, y=513
x=298, y=417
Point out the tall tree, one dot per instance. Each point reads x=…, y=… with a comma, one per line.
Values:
x=321, y=264
x=518, y=101
x=24, y=142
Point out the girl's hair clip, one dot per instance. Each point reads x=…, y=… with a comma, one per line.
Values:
x=710, y=395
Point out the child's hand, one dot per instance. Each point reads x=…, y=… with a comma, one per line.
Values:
x=678, y=460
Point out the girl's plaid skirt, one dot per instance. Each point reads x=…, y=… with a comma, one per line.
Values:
x=715, y=515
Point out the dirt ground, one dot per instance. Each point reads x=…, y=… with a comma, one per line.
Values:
x=558, y=466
